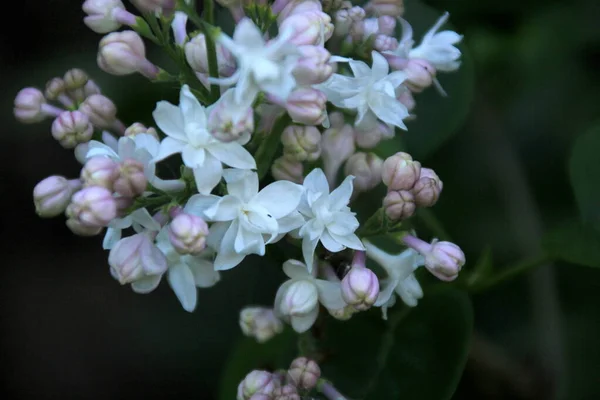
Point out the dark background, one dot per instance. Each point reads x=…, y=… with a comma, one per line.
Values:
x=528, y=88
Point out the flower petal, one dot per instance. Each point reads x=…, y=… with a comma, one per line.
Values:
x=295, y=269
x=290, y=222
x=330, y=294
x=216, y=233
x=330, y=243
x=340, y=197
x=95, y=149
x=209, y=175
x=352, y=241
x=191, y=109
x=410, y=291
x=182, y=282
x=112, y=236
x=168, y=147
x=169, y=119
x=248, y=35
x=389, y=110
x=193, y=157
x=247, y=241
x=316, y=182
x=360, y=69
x=232, y=154
x=308, y=251
x=241, y=183
x=304, y=322
x=204, y=272
x=280, y=198
x=199, y=203
x=386, y=290
x=147, y=284
x=226, y=208
x=344, y=223
x=227, y=258
x=380, y=67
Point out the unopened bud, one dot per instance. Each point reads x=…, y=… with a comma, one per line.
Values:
x=187, y=234
x=387, y=25
x=309, y=28
x=105, y=16
x=307, y=106
x=304, y=373
x=286, y=392
x=155, y=6
x=301, y=143
x=419, y=75
x=444, y=260
x=288, y=169
x=131, y=181
x=196, y=56
x=400, y=172
x=406, y=97
x=427, y=189
x=139, y=128
x=366, y=168
x=101, y=111
x=54, y=88
x=337, y=145
x=260, y=323
x=123, y=53
x=313, y=66
x=100, y=171
x=229, y=121
x=286, y=8
x=393, y=8
x=360, y=287
x=399, y=205
x=93, y=206
x=80, y=229
x=257, y=383
x=385, y=43
x=29, y=106
x=75, y=78
x=71, y=128
x=357, y=13
x=91, y=88
x=52, y=195
x=136, y=258
x=300, y=298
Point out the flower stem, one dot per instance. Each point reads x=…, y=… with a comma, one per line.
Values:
x=510, y=272
x=269, y=145
x=328, y=390
x=434, y=224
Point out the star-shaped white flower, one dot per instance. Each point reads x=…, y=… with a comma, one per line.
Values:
x=262, y=66
x=400, y=280
x=186, y=273
x=436, y=47
x=140, y=220
x=372, y=92
x=297, y=299
x=246, y=219
x=328, y=218
x=186, y=128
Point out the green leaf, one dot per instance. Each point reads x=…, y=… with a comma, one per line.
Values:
x=421, y=352
x=248, y=355
x=574, y=242
x=584, y=169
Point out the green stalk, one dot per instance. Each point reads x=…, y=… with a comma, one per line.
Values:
x=211, y=49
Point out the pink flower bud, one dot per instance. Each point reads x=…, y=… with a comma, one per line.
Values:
x=427, y=189
x=100, y=171
x=257, y=383
x=300, y=298
x=260, y=323
x=123, y=53
x=135, y=258
x=286, y=8
x=152, y=6
x=196, y=56
x=357, y=13
x=387, y=25
x=288, y=169
x=75, y=78
x=405, y=97
x=131, y=181
x=29, y=106
x=400, y=172
x=71, y=128
x=419, y=75
x=91, y=88
x=307, y=106
x=385, y=43
x=393, y=8
x=360, y=288
x=399, y=205
x=101, y=15
x=54, y=88
x=309, y=28
x=366, y=168
x=337, y=145
x=101, y=111
x=304, y=373
x=52, y=195
x=313, y=66
x=370, y=138
x=81, y=229
x=301, y=143
x=286, y=392
x=444, y=260
x=138, y=128
x=187, y=234
x=92, y=206
x=343, y=22
x=228, y=121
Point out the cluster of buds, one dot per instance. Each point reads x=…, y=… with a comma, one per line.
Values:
x=409, y=186
x=260, y=323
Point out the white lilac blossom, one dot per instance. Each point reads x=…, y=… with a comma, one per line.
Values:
x=400, y=276
x=245, y=220
x=328, y=217
x=438, y=48
x=372, y=92
x=186, y=272
x=262, y=66
x=297, y=299
x=140, y=220
x=187, y=133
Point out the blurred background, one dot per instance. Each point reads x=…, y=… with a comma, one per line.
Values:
x=500, y=141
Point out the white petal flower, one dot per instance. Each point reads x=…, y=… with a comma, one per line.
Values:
x=186, y=128
x=262, y=66
x=140, y=220
x=438, y=47
x=247, y=219
x=186, y=272
x=371, y=92
x=328, y=218
x=401, y=279
x=297, y=300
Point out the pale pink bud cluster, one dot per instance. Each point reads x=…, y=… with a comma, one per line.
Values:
x=366, y=169
x=337, y=146
x=288, y=169
x=301, y=143
x=139, y=128
x=260, y=323
x=100, y=110
x=409, y=186
x=419, y=74
x=100, y=171
x=313, y=66
x=196, y=56
x=187, y=234
x=393, y=8
x=105, y=16
x=92, y=207
x=369, y=138
x=124, y=53
x=71, y=128
x=360, y=286
x=136, y=260
x=304, y=373
x=131, y=181
x=307, y=106
x=155, y=6
x=52, y=195
x=258, y=385
x=308, y=27
x=443, y=259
